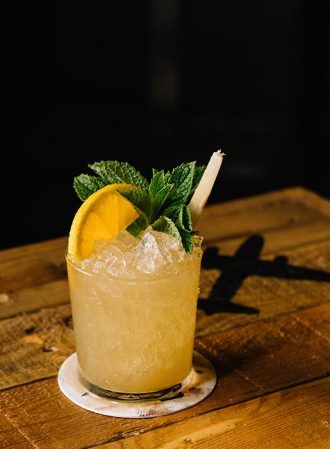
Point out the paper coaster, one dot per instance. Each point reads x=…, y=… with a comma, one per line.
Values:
x=196, y=387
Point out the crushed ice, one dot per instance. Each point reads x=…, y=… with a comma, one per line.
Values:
x=152, y=253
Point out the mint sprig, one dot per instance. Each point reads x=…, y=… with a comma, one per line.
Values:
x=85, y=185
x=119, y=172
x=107, y=172
x=182, y=180
x=162, y=203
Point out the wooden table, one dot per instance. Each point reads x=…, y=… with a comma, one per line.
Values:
x=265, y=324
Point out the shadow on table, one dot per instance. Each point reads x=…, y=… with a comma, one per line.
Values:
x=245, y=262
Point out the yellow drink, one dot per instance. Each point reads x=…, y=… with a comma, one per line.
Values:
x=135, y=332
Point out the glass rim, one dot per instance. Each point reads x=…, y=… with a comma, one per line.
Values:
x=143, y=278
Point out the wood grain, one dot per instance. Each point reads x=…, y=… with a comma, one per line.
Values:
x=277, y=352
x=34, y=346
x=10, y=436
x=261, y=213
x=279, y=239
x=29, y=299
x=293, y=194
x=32, y=277
x=279, y=420
x=51, y=421
x=252, y=361
x=34, y=264
x=270, y=295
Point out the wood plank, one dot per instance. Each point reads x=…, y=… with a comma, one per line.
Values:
x=41, y=405
x=32, y=277
x=33, y=346
x=215, y=226
x=261, y=213
x=34, y=298
x=277, y=352
x=10, y=437
x=31, y=265
x=253, y=360
x=270, y=296
x=289, y=419
x=33, y=250
x=281, y=239
x=20, y=363
x=286, y=218
x=310, y=198
x=292, y=194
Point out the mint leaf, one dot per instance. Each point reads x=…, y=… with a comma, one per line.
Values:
x=158, y=181
x=85, y=185
x=159, y=190
x=182, y=178
x=165, y=224
x=115, y=172
x=183, y=220
x=187, y=239
x=140, y=199
x=172, y=211
x=167, y=175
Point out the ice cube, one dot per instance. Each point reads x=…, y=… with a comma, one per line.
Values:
x=92, y=265
x=147, y=257
x=85, y=265
x=124, y=241
x=96, y=266
x=128, y=239
x=169, y=247
x=114, y=260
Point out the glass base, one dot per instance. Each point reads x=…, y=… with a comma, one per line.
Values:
x=167, y=393
x=196, y=387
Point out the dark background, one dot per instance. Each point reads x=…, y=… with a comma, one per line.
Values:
x=156, y=83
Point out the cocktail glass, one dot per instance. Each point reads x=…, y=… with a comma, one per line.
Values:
x=134, y=336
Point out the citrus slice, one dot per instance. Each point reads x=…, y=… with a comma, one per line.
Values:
x=102, y=216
